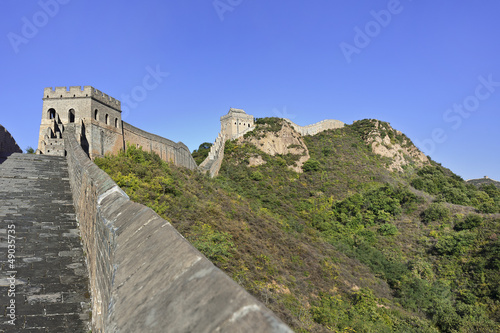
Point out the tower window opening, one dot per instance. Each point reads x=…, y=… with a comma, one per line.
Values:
x=107, y=119
x=116, y=122
x=71, y=116
x=95, y=114
x=52, y=114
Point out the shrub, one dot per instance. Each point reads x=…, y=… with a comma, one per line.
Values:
x=455, y=244
x=436, y=212
x=388, y=229
x=257, y=175
x=311, y=165
x=215, y=245
x=471, y=221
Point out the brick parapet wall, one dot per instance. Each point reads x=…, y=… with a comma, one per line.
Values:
x=7, y=143
x=317, y=127
x=215, y=157
x=145, y=277
x=170, y=151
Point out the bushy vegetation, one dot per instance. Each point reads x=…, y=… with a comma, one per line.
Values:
x=345, y=246
x=451, y=188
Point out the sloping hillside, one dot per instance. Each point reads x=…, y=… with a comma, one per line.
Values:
x=345, y=246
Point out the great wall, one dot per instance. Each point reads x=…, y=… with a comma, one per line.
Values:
x=132, y=268
x=237, y=122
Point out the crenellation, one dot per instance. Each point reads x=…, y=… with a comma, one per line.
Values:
x=106, y=99
x=79, y=92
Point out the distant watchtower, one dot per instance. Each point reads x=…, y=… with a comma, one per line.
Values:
x=95, y=115
x=235, y=123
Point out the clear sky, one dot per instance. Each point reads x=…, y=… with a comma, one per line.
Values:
x=430, y=68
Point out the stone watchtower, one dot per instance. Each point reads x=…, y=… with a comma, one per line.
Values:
x=235, y=123
x=95, y=115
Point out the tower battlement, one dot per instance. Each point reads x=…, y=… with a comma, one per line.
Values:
x=78, y=92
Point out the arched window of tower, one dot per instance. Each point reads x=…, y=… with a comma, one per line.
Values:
x=107, y=119
x=95, y=114
x=51, y=113
x=116, y=122
x=71, y=115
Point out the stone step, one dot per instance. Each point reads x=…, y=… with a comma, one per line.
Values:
x=51, y=280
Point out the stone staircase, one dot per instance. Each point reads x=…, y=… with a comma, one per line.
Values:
x=47, y=272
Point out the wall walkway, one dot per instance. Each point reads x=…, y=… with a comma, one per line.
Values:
x=47, y=277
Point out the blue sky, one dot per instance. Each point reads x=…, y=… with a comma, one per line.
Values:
x=430, y=69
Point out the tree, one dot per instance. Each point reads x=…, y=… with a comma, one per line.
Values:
x=201, y=153
x=311, y=165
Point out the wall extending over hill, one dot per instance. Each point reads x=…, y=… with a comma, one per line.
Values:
x=7, y=143
x=177, y=153
x=145, y=277
x=317, y=127
x=214, y=159
x=215, y=156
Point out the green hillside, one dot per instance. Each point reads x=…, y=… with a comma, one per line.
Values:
x=345, y=246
